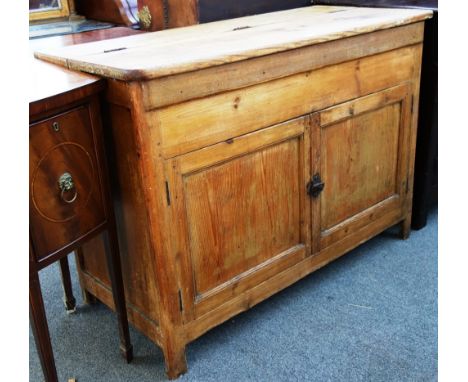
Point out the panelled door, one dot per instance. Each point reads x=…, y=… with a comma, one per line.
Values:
x=242, y=212
x=360, y=163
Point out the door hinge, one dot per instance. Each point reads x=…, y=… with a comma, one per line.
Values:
x=315, y=186
x=168, y=194
x=181, y=305
x=412, y=104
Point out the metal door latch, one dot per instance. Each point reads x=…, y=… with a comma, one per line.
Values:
x=315, y=186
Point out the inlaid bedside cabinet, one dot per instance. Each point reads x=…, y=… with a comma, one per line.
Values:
x=251, y=152
x=69, y=196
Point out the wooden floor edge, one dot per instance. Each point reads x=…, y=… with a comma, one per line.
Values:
x=135, y=316
x=286, y=278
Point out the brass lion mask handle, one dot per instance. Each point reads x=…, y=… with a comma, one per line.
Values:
x=67, y=187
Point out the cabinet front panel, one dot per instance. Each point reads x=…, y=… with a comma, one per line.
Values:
x=245, y=216
x=65, y=200
x=202, y=122
x=362, y=159
x=359, y=163
x=165, y=91
x=242, y=213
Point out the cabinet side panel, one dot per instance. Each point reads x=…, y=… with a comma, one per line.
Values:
x=137, y=261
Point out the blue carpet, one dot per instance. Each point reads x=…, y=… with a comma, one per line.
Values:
x=369, y=316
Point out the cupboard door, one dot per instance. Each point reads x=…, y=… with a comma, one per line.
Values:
x=362, y=159
x=241, y=212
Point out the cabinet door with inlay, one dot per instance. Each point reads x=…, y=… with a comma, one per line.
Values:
x=361, y=157
x=65, y=193
x=241, y=211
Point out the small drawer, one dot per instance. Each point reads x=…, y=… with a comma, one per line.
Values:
x=65, y=193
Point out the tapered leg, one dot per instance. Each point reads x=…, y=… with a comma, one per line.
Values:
x=174, y=358
x=40, y=330
x=68, y=298
x=115, y=273
x=405, y=228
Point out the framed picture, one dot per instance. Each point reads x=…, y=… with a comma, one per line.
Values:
x=48, y=9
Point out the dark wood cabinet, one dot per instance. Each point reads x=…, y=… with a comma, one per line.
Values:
x=214, y=10
x=70, y=203
x=178, y=13
x=69, y=196
x=426, y=167
x=121, y=12
x=62, y=149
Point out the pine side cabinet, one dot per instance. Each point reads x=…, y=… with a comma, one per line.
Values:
x=249, y=153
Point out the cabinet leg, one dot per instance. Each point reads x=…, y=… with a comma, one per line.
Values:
x=174, y=358
x=40, y=330
x=88, y=298
x=115, y=273
x=405, y=228
x=68, y=299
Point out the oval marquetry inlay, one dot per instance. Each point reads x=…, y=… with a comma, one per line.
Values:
x=64, y=157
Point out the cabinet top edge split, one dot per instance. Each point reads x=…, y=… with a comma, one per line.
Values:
x=174, y=51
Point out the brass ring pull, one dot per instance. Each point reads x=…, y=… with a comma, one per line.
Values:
x=66, y=184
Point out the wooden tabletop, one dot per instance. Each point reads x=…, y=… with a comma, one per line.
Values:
x=167, y=52
x=52, y=85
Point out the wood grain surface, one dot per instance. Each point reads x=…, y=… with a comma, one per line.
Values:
x=180, y=50
x=51, y=86
x=184, y=127
x=243, y=210
x=217, y=146
x=174, y=89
